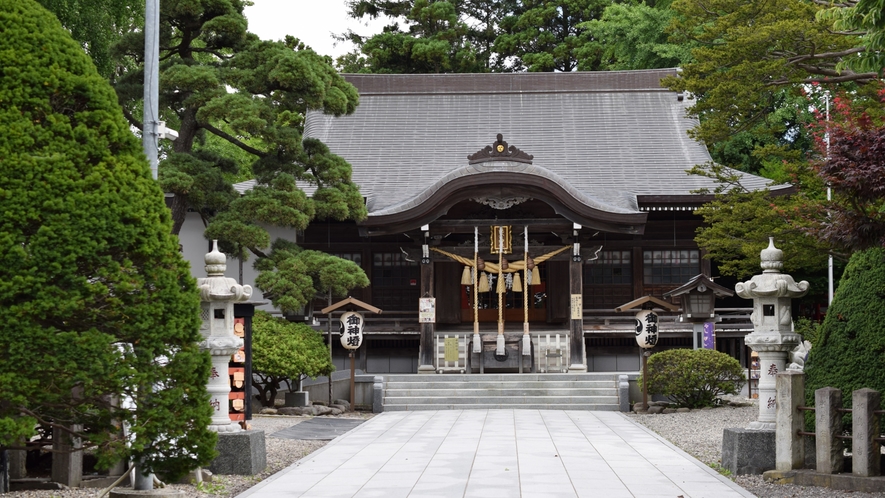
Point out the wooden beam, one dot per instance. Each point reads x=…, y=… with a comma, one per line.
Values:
x=350, y=300
x=637, y=304
x=535, y=225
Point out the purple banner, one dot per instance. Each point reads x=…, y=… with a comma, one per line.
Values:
x=709, y=336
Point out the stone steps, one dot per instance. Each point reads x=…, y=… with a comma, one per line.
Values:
x=570, y=391
x=505, y=392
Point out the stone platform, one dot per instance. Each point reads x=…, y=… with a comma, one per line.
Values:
x=748, y=451
x=240, y=453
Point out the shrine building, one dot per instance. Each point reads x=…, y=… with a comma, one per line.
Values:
x=568, y=191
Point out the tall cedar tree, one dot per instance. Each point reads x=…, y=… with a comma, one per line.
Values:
x=850, y=349
x=547, y=35
x=99, y=307
x=451, y=36
x=633, y=35
x=435, y=37
x=234, y=98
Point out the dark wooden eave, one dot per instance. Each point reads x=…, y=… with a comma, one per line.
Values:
x=637, y=304
x=696, y=281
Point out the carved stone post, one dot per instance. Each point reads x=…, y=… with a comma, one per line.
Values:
x=827, y=429
x=789, y=445
x=218, y=295
x=772, y=337
x=866, y=450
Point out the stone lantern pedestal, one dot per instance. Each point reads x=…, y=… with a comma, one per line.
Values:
x=752, y=450
x=239, y=451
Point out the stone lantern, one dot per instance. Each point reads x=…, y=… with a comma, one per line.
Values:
x=218, y=295
x=698, y=303
x=773, y=336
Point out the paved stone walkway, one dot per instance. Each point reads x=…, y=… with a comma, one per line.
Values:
x=319, y=428
x=499, y=453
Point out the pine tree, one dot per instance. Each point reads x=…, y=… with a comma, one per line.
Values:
x=99, y=306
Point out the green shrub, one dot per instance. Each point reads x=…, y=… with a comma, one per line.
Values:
x=849, y=353
x=693, y=378
x=283, y=351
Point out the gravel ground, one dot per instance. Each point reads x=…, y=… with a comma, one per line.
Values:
x=698, y=433
x=280, y=454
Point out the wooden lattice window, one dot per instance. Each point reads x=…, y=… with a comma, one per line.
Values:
x=611, y=267
x=395, y=281
x=674, y=266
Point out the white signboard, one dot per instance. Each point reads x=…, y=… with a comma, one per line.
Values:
x=427, y=310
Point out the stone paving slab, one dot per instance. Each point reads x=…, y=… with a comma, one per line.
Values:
x=324, y=429
x=506, y=453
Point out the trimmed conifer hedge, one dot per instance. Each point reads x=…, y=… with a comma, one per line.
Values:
x=98, y=306
x=849, y=353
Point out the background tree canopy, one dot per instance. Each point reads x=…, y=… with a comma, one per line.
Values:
x=760, y=74
x=98, y=301
x=459, y=36
x=97, y=24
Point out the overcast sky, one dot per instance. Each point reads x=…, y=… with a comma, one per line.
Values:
x=311, y=21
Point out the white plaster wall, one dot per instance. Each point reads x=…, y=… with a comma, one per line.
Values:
x=195, y=247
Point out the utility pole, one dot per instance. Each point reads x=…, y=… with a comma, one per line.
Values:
x=151, y=122
x=150, y=143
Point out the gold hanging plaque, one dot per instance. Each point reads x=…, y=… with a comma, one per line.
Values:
x=505, y=241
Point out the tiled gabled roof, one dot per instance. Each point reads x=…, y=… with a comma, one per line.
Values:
x=608, y=136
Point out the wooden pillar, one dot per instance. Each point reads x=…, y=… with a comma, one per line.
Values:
x=425, y=354
x=576, y=316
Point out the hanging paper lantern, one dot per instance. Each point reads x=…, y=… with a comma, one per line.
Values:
x=483, y=285
x=505, y=265
x=517, y=283
x=529, y=263
x=480, y=264
x=646, y=329
x=351, y=329
x=466, y=277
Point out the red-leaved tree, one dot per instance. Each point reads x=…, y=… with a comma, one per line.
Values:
x=853, y=166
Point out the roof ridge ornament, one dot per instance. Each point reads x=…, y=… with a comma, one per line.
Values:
x=499, y=151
